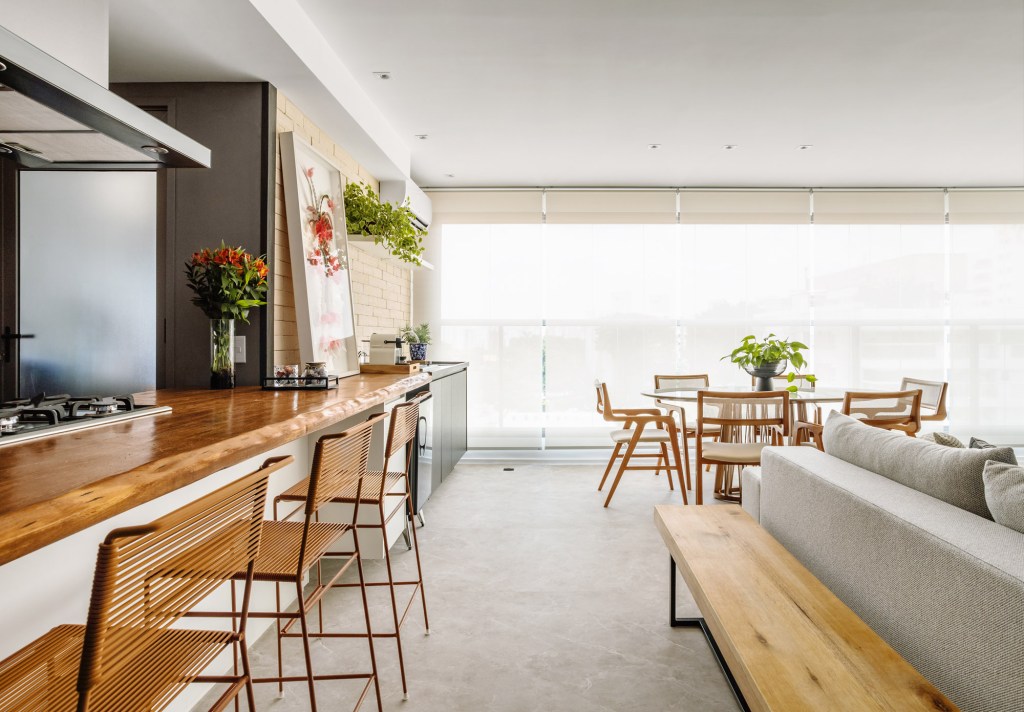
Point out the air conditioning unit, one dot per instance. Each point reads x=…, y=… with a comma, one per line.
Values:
x=397, y=191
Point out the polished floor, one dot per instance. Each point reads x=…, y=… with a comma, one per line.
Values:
x=539, y=599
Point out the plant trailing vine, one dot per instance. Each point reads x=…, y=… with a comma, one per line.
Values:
x=389, y=225
x=752, y=353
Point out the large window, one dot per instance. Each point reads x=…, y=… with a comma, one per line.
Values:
x=620, y=289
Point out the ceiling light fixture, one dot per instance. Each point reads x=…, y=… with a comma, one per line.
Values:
x=5, y=149
x=449, y=175
x=730, y=146
x=654, y=146
x=382, y=75
x=805, y=147
x=3, y=67
x=421, y=137
x=159, y=150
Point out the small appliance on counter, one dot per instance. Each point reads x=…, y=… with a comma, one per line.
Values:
x=386, y=356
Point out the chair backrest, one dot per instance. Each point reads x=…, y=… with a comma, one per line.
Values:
x=148, y=577
x=339, y=463
x=682, y=383
x=755, y=409
x=933, y=396
x=405, y=418
x=604, y=406
x=895, y=410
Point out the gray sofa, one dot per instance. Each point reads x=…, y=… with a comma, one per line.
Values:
x=943, y=585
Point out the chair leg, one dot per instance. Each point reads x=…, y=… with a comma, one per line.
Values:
x=625, y=461
x=394, y=601
x=280, y=651
x=366, y=616
x=686, y=459
x=668, y=467
x=310, y=682
x=611, y=461
x=419, y=566
x=678, y=466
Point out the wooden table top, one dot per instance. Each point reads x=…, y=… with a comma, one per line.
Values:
x=789, y=642
x=56, y=486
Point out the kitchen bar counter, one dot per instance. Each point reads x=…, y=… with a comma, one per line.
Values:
x=53, y=487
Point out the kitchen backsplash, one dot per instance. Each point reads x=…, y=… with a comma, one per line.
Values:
x=381, y=291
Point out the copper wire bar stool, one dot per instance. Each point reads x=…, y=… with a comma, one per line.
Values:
x=292, y=548
x=128, y=656
x=381, y=489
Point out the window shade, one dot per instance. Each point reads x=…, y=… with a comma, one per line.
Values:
x=986, y=207
x=633, y=207
x=722, y=207
x=879, y=208
x=487, y=207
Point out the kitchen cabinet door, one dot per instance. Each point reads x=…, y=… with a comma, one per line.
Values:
x=459, y=419
x=441, y=392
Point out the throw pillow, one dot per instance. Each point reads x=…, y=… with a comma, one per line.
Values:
x=1004, y=493
x=979, y=444
x=951, y=474
x=943, y=439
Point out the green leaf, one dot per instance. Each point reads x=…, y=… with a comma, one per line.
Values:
x=792, y=389
x=797, y=345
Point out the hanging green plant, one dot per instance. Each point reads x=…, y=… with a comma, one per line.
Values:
x=389, y=225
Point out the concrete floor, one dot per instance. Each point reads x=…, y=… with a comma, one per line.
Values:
x=539, y=599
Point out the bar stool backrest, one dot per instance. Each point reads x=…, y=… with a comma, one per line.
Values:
x=402, y=428
x=339, y=463
x=148, y=577
x=682, y=383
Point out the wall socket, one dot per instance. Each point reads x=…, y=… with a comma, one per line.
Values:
x=239, y=349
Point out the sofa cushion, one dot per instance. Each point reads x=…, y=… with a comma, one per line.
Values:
x=1004, y=493
x=943, y=439
x=953, y=475
x=979, y=444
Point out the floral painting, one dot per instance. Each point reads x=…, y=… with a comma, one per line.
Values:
x=319, y=257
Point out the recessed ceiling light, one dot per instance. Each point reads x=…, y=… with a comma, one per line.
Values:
x=449, y=175
x=730, y=146
x=159, y=150
x=421, y=137
x=3, y=67
x=805, y=147
x=654, y=146
x=382, y=75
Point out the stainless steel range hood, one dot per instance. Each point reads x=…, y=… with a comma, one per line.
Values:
x=53, y=117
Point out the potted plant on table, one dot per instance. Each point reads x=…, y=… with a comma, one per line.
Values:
x=227, y=282
x=390, y=226
x=417, y=338
x=768, y=358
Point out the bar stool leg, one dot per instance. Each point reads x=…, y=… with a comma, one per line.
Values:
x=311, y=683
x=277, y=626
x=394, y=601
x=419, y=567
x=366, y=617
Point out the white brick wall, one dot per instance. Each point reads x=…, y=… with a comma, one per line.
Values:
x=381, y=290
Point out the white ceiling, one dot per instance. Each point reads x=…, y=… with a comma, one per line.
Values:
x=571, y=92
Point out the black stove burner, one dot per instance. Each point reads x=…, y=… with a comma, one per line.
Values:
x=47, y=409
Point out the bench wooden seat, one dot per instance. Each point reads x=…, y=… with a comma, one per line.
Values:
x=788, y=642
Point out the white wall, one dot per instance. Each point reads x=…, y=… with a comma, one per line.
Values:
x=77, y=32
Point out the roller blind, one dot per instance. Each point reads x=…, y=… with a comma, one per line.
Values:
x=744, y=207
x=633, y=207
x=986, y=207
x=487, y=207
x=879, y=207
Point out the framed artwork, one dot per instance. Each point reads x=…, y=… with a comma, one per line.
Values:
x=314, y=190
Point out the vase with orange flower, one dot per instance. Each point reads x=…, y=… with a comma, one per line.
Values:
x=227, y=282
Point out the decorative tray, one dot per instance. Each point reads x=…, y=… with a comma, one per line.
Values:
x=300, y=383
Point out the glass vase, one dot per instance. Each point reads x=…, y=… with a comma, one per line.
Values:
x=222, y=353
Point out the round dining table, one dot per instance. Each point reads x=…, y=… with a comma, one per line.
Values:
x=800, y=400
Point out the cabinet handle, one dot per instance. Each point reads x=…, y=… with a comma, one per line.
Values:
x=423, y=434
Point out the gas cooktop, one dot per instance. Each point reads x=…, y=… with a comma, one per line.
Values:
x=46, y=414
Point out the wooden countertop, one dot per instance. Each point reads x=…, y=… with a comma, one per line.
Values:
x=56, y=486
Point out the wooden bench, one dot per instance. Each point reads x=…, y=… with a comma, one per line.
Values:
x=785, y=642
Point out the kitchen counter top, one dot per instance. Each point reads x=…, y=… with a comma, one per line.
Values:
x=441, y=369
x=56, y=486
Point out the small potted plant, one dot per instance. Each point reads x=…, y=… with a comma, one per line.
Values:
x=227, y=282
x=768, y=358
x=389, y=225
x=417, y=338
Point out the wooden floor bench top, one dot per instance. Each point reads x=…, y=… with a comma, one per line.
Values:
x=789, y=642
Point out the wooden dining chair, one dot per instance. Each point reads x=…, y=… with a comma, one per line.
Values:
x=131, y=654
x=687, y=428
x=749, y=422
x=933, y=397
x=639, y=425
x=895, y=410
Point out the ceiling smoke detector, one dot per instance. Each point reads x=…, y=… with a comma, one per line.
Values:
x=382, y=75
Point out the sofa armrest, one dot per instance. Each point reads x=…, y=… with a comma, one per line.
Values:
x=750, y=479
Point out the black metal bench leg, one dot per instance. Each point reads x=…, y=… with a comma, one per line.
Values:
x=699, y=622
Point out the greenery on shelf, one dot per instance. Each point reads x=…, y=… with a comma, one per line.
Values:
x=752, y=353
x=389, y=225
x=417, y=335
